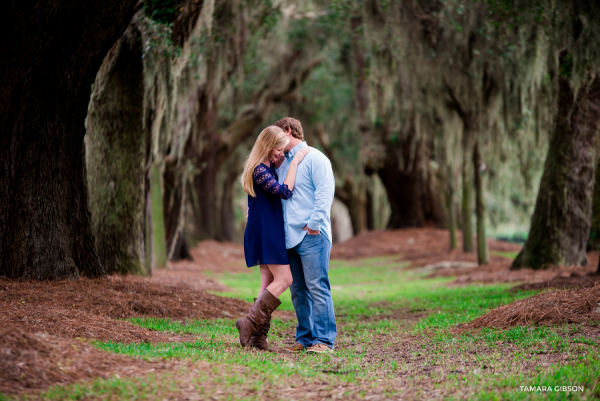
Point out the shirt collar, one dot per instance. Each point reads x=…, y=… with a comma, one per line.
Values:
x=290, y=155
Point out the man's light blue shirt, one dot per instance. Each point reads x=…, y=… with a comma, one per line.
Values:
x=313, y=195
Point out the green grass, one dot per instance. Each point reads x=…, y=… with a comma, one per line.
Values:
x=379, y=285
x=216, y=327
x=583, y=371
x=537, y=339
x=220, y=352
x=126, y=389
x=508, y=255
x=416, y=347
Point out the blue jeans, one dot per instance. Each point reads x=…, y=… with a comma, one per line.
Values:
x=311, y=292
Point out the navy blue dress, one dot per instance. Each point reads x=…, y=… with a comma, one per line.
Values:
x=264, y=238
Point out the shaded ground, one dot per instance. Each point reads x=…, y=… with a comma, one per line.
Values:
x=215, y=257
x=380, y=352
x=426, y=248
x=429, y=249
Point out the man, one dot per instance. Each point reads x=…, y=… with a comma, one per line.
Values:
x=308, y=241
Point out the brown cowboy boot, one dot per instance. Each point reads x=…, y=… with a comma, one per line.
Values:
x=260, y=340
x=258, y=315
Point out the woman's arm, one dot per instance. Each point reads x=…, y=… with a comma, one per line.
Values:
x=267, y=181
x=264, y=179
x=290, y=178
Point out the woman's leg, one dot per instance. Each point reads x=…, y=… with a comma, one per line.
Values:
x=255, y=327
x=266, y=278
x=282, y=279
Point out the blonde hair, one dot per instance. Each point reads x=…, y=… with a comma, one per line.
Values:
x=270, y=138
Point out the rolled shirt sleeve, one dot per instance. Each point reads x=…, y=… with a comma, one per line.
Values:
x=324, y=183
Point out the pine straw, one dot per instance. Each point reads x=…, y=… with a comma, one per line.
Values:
x=547, y=308
x=119, y=297
x=38, y=361
x=76, y=324
x=564, y=281
x=87, y=308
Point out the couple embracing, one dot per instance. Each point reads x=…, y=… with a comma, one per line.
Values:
x=290, y=189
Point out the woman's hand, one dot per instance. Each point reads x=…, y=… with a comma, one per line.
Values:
x=298, y=157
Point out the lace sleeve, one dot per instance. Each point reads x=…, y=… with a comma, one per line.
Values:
x=264, y=179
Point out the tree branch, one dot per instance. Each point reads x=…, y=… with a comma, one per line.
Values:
x=254, y=115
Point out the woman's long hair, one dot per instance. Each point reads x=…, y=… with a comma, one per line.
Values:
x=270, y=138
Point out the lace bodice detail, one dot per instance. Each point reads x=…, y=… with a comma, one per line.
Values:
x=266, y=180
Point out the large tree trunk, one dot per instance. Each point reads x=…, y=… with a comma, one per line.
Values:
x=205, y=186
x=116, y=158
x=357, y=208
x=414, y=198
x=482, y=247
x=157, y=220
x=353, y=195
x=227, y=211
x=452, y=208
x=174, y=202
x=560, y=223
x=50, y=53
x=467, y=202
x=594, y=238
x=370, y=205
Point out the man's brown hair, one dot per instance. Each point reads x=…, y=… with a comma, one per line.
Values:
x=292, y=124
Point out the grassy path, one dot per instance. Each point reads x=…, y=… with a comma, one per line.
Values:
x=395, y=341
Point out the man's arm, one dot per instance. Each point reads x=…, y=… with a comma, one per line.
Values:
x=322, y=176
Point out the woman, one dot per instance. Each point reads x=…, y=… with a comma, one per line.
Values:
x=264, y=239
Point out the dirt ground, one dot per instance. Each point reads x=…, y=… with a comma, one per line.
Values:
x=426, y=248
x=44, y=325
x=429, y=249
x=215, y=257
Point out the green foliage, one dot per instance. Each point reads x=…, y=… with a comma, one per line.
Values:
x=566, y=66
x=162, y=11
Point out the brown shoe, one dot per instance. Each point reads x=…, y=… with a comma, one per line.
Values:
x=319, y=349
x=295, y=348
x=260, y=340
x=257, y=316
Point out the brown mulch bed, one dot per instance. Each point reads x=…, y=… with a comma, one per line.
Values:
x=75, y=323
x=38, y=361
x=120, y=297
x=563, y=281
x=548, y=308
x=87, y=308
